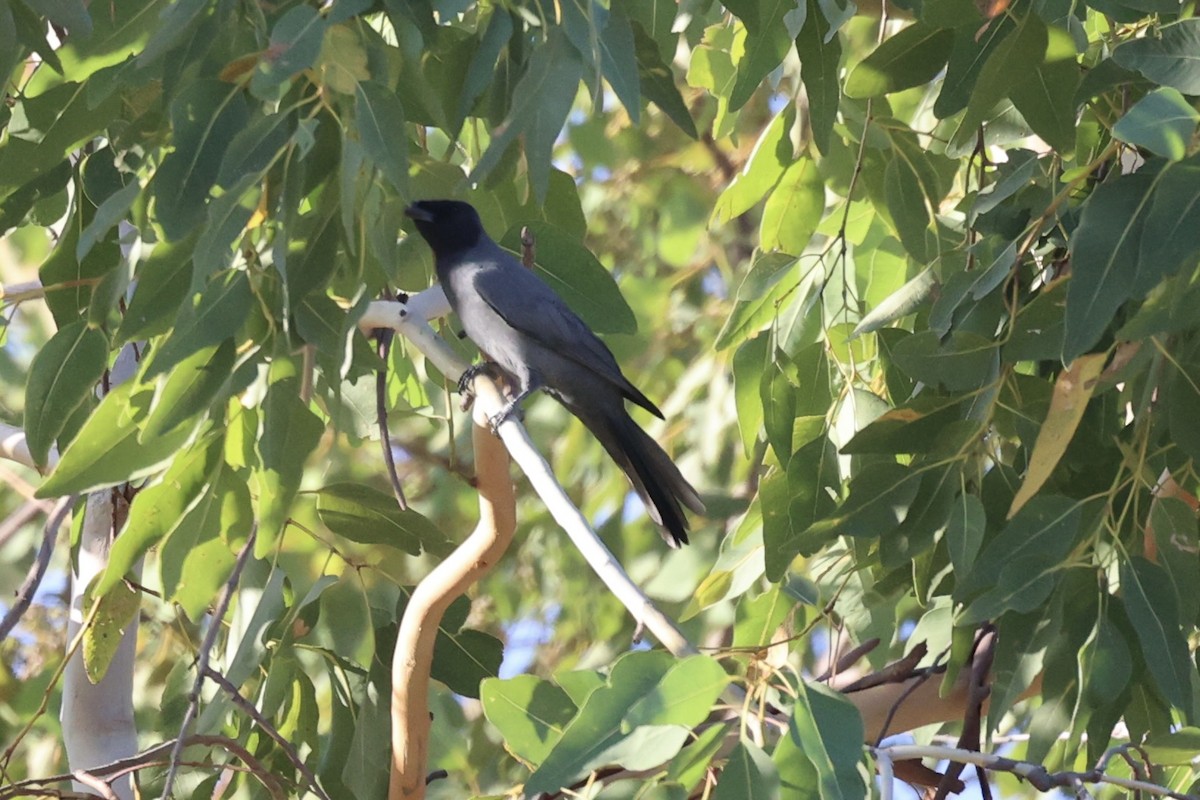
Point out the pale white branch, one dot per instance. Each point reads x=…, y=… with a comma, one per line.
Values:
x=411, y=321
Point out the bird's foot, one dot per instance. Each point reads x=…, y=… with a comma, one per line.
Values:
x=466, y=381
x=511, y=409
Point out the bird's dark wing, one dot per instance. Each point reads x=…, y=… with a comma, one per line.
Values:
x=532, y=307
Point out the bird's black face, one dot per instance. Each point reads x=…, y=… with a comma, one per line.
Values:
x=447, y=225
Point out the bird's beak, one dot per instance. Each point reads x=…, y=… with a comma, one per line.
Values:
x=413, y=212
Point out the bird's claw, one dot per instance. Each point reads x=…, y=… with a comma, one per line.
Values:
x=498, y=419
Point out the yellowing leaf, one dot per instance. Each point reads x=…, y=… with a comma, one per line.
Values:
x=1072, y=391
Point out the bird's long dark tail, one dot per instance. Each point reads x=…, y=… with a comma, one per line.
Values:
x=654, y=476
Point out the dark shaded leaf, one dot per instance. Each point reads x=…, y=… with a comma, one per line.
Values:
x=380, y=120
x=1105, y=258
x=820, y=54
x=218, y=313
x=294, y=46
x=767, y=42
x=529, y=712
x=106, y=451
x=1150, y=603
x=749, y=774
x=369, y=516
x=205, y=118
x=63, y=373
x=910, y=58
x=1168, y=59
x=541, y=102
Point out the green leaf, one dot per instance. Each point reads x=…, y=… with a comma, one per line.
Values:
x=779, y=409
x=911, y=427
x=369, y=516
x=812, y=473
x=684, y=696
x=1025, y=45
x=964, y=532
x=749, y=774
x=256, y=148
x=692, y=763
x=1177, y=540
x=900, y=303
x=1163, y=122
x=63, y=373
x=190, y=389
x=463, y=660
x=111, y=211
x=290, y=432
x=910, y=58
x=295, y=44
x=658, y=80
x=120, y=30
x=160, y=509
x=47, y=127
x=1029, y=550
x=755, y=304
x=820, y=54
x=1104, y=257
x=106, y=451
x=1105, y=664
x=766, y=164
x=102, y=637
x=1045, y=95
x=767, y=41
x=758, y=618
x=482, y=67
x=959, y=363
x=910, y=209
x=216, y=316
x=529, y=712
x=1150, y=603
x=162, y=284
x=380, y=119
x=1168, y=59
x=1037, y=332
x=1176, y=747
x=205, y=117
x=880, y=496
x=594, y=737
x=828, y=730
x=618, y=54
x=794, y=209
x=197, y=558
x=748, y=363
x=14, y=208
x=541, y=102
x=577, y=276
x=1172, y=233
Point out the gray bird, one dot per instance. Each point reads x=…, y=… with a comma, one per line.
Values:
x=524, y=327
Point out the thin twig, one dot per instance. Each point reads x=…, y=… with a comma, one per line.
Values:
x=258, y=719
x=151, y=756
x=1038, y=776
x=210, y=637
x=92, y=782
x=37, y=570
x=22, y=517
x=383, y=345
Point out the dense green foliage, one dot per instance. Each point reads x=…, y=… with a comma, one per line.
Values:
x=918, y=292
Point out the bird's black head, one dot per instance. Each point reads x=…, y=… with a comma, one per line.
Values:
x=449, y=226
